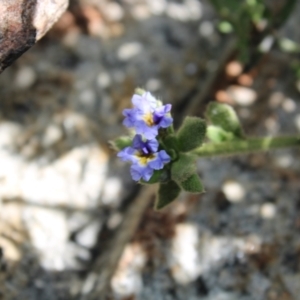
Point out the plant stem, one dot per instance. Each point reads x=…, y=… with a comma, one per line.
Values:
x=249, y=145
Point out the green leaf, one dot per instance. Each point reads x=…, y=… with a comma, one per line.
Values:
x=121, y=142
x=224, y=116
x=183, y=168
x=288, y=45
x=191, y=134
x=192, y=185
x=217, y=134
x=170, y=142
x=173, y=154
x=167, y=193
x=225, y=27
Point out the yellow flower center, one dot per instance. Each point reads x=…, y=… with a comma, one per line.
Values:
x=148, y=118
x=144, y=159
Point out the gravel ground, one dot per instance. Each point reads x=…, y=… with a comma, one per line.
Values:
x=62, y=188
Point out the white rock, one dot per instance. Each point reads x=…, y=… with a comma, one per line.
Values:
x=25, y=78
x=272, y=125
x=284, y=160
x=113, y=11
x=127, y=279
x=289, y=105
x=184, y=259
x=157, y=7
x=104, y=80
x=195, y=9
x=233, y=191
x=141, y=11
x=206, y=28
x=88, y=98
x=129, y=50
x=48, y=234
x=276, y=99
x=87, y=237
x=268, y=210
x=52, y=135
x=266, y=44
x=111, y=193
x=241, y=95
x=186, y=11
x=46, y=14
x=153, y=84
x=9, y=131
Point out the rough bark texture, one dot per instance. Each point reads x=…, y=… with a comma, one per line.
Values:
x=22, y=23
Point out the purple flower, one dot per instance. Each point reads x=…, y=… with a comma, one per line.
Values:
x=148, y=115
x=144, y=157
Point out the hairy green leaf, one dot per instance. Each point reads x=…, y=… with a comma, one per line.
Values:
x=167, y=193
x=224, y=116
x=217, y=134
x=121, y=142
x=183, y=168
x=191, y=134
x=192, y=185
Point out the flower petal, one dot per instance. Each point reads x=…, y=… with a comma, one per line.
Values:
x=130, y=117
x=138, y=172
x=127, y=154
x=137, y=142
x=165, y=122
x=164, y=156
x=156, y=163
x=161, y=158
x=150, y=99
x=153, y=145
x=149, y=132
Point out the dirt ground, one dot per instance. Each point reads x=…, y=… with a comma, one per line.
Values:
x=73, y=224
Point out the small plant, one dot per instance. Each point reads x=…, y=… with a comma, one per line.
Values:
x=160, y=155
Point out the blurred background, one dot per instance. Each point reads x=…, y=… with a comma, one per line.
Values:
x=67, y=227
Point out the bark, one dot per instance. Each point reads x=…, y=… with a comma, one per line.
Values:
x=22, y=23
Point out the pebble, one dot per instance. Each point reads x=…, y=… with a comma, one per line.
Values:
x=184, y=254
x=113, y=11
x=87, y=237
x=129, y=50
x=289, y=105
x=104, y=80
x=243, y=96
x=9, y=132
x=284, y=160
x=153, y=84
x=233, y=191
x=268, y=211
x=127, y=280
x=112, y=191
x=234, y=68
x=25, y=78
x=206, y=28
x=266, y=44
x=157, y=7
x=52, y=135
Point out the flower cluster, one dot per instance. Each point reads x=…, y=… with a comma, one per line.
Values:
x=157, y=153
x=146, y=117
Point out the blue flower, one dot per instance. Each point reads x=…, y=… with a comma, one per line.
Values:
x=144, y=157
x=148, y=115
